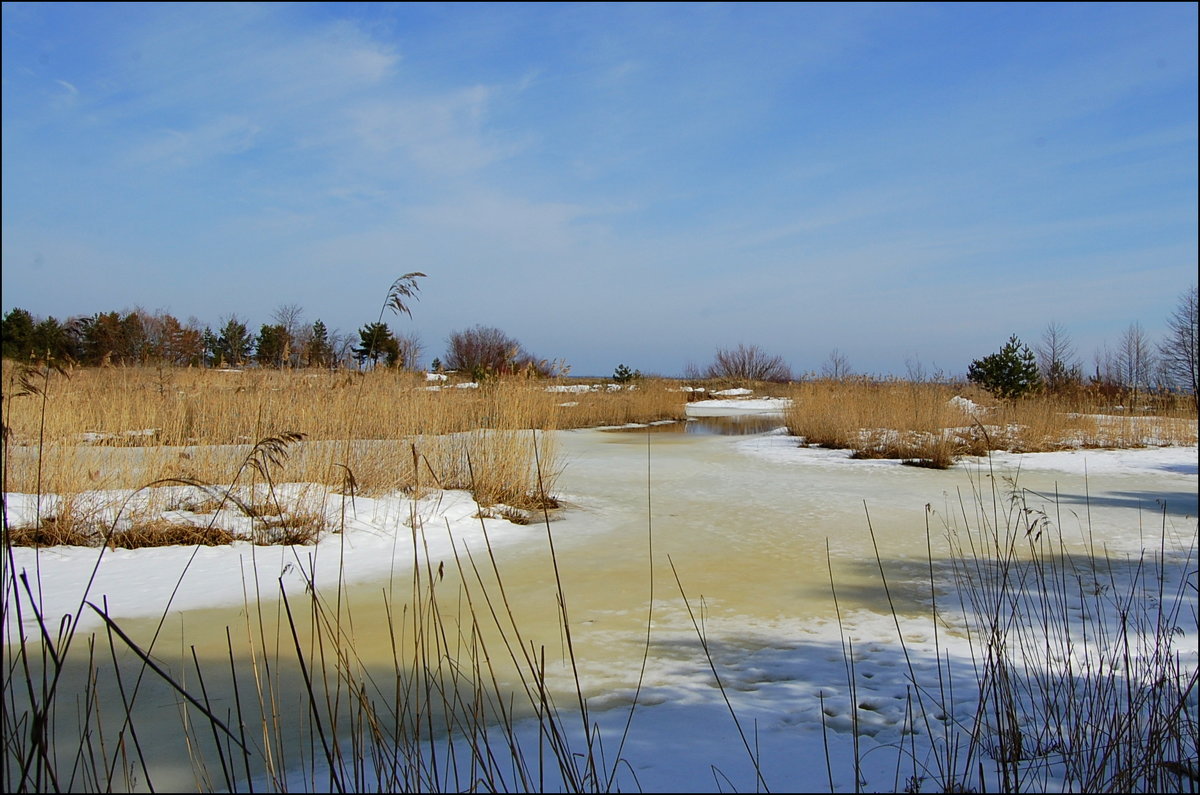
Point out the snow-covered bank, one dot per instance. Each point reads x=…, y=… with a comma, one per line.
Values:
x=734, y=406
x=377, y=540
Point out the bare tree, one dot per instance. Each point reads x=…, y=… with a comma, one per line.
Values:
x=1178, y=350
x=748, y=363
x=289, y=316
x=411, y=350
x=1134, y=358
x=836, y=367
x=342, y=347
x=1056, y=358
x=1107, y=375
x=915, y=370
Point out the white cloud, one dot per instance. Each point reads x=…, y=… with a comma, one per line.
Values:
x=443, y=134
x=227, y=135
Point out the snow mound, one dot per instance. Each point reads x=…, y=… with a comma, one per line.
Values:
x=965, y=405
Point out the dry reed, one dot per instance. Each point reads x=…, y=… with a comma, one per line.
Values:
x=1075, y=680
x=113, y=428
x=934, y=423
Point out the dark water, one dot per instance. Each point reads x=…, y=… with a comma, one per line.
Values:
x=736, y=425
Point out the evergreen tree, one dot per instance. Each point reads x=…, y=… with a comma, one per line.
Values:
x=98, y=337
x=133, y=343
x=320, y=351
x=211, y=345
x=623, y=374
x=235, y=342
x=16, y=331
x=273, y=345
x=377, y=340
x=1011, y=373
x=50, y=340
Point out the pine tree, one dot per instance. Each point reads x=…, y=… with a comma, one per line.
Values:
x=16, y=331
x=272, y=346
x=377, y=340
x=623, y=375
x=235, y=342
x=1011, y=373
x=320, y=352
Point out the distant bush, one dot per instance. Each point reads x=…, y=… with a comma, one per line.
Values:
x=623, y=375
x=748, y=363
x=485, y=352
x=482, y=349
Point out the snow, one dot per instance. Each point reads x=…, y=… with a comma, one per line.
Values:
x=140, y=583
x=735, y=406
x=587, y=388
x=786, y=683
x=965, y=405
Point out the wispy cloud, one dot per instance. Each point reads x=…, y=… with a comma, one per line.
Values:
x=228, y=135
x=443, y=134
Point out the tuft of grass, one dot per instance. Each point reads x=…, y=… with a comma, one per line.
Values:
x=165, y=533
x=52, y=532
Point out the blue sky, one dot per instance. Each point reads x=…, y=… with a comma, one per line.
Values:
x=636, y=184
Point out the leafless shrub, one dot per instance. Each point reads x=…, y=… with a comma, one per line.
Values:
x=411, y=350
x=484, y=349
x=748, y=363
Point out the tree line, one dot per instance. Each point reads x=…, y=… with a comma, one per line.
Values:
x=1136, y=363
x=138, y=337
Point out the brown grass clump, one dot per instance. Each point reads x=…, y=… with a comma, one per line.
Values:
x=66, y=520
x=164, y=533
x=50, y=533
x=293, y=527
x=913, y=422
x=1052, y=423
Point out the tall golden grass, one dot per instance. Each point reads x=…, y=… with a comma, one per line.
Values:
x=93, y=428
x=932, y=423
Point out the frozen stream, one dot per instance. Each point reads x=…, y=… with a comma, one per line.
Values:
x=749, y=524
x=752, y=526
